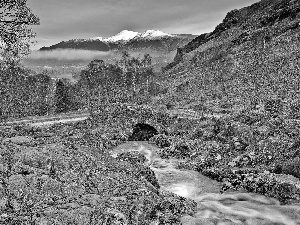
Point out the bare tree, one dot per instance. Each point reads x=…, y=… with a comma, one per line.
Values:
x=91, y=78
x=138, y=70
x=15, y=34
x=147, y=65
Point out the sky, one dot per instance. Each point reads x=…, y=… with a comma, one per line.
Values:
x=62, y=20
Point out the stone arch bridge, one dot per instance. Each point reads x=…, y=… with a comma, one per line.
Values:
x=130, y=116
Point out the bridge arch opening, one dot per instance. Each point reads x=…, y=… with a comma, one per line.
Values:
x=142, y=132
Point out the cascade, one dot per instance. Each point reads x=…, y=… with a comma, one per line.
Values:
x=212, y=206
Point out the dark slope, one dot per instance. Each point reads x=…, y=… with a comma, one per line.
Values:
x=253, y=55
x=166, y=44
x=263, y=14
x=96, y=45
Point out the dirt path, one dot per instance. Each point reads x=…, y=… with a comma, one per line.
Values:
x=39, y=120
x=77, y=116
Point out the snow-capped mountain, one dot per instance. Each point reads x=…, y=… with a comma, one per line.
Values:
x=127, y=35
x=128, y=40
x=124, y=35
x=150, y=34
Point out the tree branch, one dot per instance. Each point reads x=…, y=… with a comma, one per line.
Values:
x=15, y=22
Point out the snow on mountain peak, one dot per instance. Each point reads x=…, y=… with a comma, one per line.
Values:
x=124, y=35
x=127, y=35
x=153, y=34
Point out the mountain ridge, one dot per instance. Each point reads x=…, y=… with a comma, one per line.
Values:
x=126, y=40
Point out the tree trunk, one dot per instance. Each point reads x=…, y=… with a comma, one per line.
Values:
x=89, y=98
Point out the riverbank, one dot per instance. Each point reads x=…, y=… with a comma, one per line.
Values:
x=212, y=206
x=63, y=174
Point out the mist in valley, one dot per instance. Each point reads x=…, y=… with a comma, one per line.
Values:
x=68, y=63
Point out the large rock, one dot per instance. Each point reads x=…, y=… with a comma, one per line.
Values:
x=138, y=160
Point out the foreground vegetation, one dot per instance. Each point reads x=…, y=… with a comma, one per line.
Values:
x=65, y=174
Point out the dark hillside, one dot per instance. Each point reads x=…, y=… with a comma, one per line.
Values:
x=262, y=14
x=95, y=45
x=252, y=56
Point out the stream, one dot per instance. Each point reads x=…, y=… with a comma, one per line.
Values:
x=212, y=207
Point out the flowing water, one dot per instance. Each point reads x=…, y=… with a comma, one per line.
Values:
x=213, y=207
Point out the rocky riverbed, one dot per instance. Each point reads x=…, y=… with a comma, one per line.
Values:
x=212, y=206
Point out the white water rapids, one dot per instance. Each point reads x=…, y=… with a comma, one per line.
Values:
x=213, y=207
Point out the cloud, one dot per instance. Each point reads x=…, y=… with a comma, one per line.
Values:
x=68, y=55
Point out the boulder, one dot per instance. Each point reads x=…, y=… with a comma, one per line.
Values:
x=132, y=157
x=161, y=140
x=138, y=160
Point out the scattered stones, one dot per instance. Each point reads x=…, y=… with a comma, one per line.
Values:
x=161, y=140
x=132, y=157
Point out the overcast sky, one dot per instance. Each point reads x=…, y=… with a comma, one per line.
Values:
x=63, y=20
